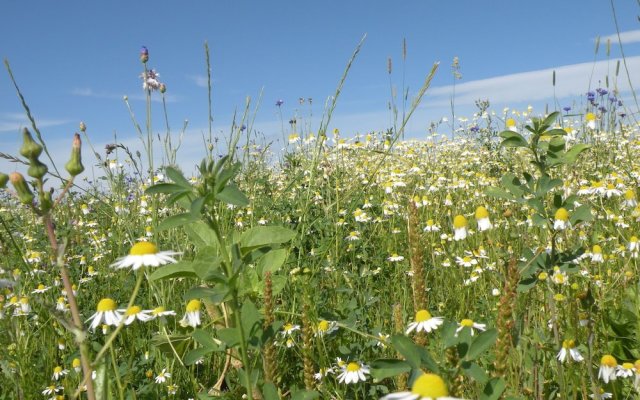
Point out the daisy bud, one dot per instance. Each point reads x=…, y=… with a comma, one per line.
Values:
x=74, y=166
x=144, y=54
x=4, y=178
x=163, y=88
x=83, y=127
x=22, y=189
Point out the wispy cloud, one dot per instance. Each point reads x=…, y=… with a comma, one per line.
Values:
x=625, y=37
x=571, y=80
x=89, y=92
x=12, y=122
x=199, y=80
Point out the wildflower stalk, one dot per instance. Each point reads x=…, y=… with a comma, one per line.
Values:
x=417, y=266
x=401, y=379
x=505, y=322
x=269, y=351
x=307, y=347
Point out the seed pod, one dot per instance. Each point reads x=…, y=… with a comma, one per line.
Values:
x=30, y=148
x=22, y=189
x=4, y=178
x=37, y=169
x=74, y=166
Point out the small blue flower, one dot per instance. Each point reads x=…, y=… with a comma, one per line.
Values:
x=144, y=51
x=279, y=102
x=566, y=108
x=602, y=91
x=475, y=128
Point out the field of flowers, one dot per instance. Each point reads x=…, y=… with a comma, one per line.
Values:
x=501, y=262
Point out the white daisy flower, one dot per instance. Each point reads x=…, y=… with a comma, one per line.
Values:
x=136, y=312
x=145, y=254
x=353, y=372
x=425, y=387
x=569, y=349
x=424, y=322
x=108, y=312
x=163, y=376
x=468, y=323
x=192, y=316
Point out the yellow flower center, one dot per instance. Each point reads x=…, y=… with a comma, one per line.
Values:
x=569, y=344
x=75, y=363
x=562, y=214
x=423, y=315
x=158, y=310
x=287, y=327
x=57, y=370
x=590, y=117
x=467, y=323
x=193, y=305
x=353, y=367
x=629, y=195
x=466, y=259
x=107, y=305
x=609, y=361
x=627, y=365
x=597, y=249
x=323, y=325
x=133, y=310
x=543, y=276
x=459, y=222
x=41, y=286
x=143, y=248
x=510, y=122
x=430, y=222
x=429, y=385
x=481, y=212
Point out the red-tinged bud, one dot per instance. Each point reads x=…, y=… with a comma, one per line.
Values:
x=74, y=166
x=22, y=189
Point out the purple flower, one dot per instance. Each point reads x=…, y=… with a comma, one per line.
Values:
x=279, y=102
x=591, y=96
x=601, y=91
x=566, y=108
x=475, y=128
x=144, y=51
x=612, y=99
x=243, y=127
x=602, y=109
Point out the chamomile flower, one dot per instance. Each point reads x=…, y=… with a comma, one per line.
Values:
x=107, y=311
x=41, y=289
x=466, y=261
x=569, y=349
x=482, y=217
x=52, y=390
x=322, y=373
x=608, y=366
x=289, y=328
x=325, y=327
x=136, y=312
x=626, y=370
x=160, y=312
x=145, y=254
x=59, y=373
x=395, y=258
x=76, y=364
x=192, y=315
x=590, y=118
x=163, y=376
x=424, y=322
x=469, y=323
x=629, y=199
x=596, y=254
x=425, y=387
x=459, y=227
x=431, y=226
x=353, y=372
x=510, y=123
x=561, y=219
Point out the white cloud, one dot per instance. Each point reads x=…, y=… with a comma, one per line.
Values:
x=625, y=37
x=571, y=80
x=199, y=80
x=13, y=122
x=88, y=92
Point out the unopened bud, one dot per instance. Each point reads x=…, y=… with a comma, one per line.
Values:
x=163, y=88
x=4, y=178
x=46, y=202
x=144, y=54
x=30, y=148
x=37, y=169
x=22, y=189
x=74, y=166
x=83, y=127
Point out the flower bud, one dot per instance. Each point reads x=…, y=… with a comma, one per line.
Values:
x=30, y=148
x=22, y=189
x=74, y=166
x=4, y=178
x=46, y=202
x=163, y=88
x=144, y=54
x=37, y=169
x=83, y=127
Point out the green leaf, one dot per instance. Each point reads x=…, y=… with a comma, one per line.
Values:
x=179, y=269
x=196, y=207
x=272, y=261
x=408, y=349
x=250, y=318
x=499, y=193
x=212, y=294
x=166, y=188
x=473, y=371
x=549, y=120
x=171, y=344
x=481, y=343
x=512, y=184
x=196, y=354
x=386, y=368
x=513, y=139
x=232, y=195
x=175, y=221
x=556, y=133
x=201, y=234
x=264, y=235
x=270, y=392
x=204, y=338
x=177, y=177
x=581, y=214
x=305, y=395
x=493, y=389
x=572, y=154
x=230, y=336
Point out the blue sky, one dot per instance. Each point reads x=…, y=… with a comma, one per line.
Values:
x=74, y=61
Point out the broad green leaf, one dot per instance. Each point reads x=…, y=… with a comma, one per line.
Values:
x=572, y=154
x=556, y=133
x=166, y=188
x=269, y=392
x=581, y=214
x=196, y=207
x=482, y=343
x=175, y=221
x=209, y=271
x=213, y=294
x=265, y=235
x=179, y=269
x=473, y=371
x=386, y=368
x=230, y=336
x=305, y=395
x=171, y=344
x=499, y=193
x=408, y=349
x=493, y=389
x=272, y=261
x=204, y=338
x=232, y=195
x=250, y=317
x=196, y=354
x=225, y=175
x=550, y=119
x=512, y=184
x=201, y=234
x=512, y=139
x=177, y=177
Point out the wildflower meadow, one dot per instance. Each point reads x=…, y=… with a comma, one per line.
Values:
x=497, y=261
